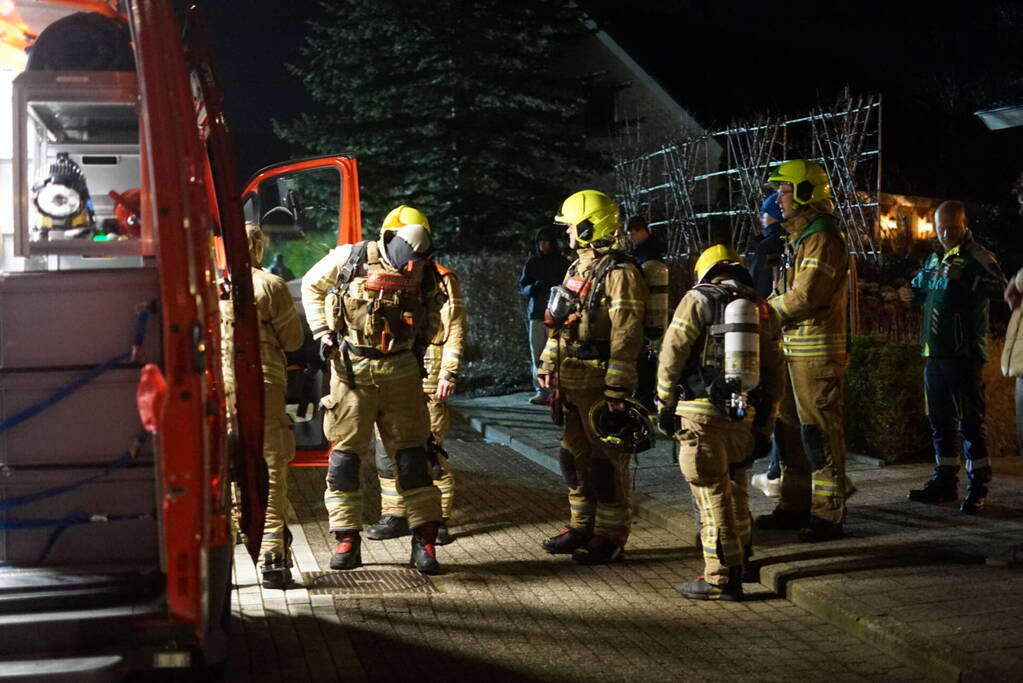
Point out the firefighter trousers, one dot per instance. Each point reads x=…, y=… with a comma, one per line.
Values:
x=714, y=458
x=597, y=475
x=811, y=439
x=278, y=452
x=397, y=409
x=391, y=502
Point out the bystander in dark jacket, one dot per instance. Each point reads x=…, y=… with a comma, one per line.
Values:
x=767, y=257
x=545, y=269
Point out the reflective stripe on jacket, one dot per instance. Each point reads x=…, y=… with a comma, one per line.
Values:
x=813, y=297
x=615, y=322
x=444, y=354
x=955, y=289
x=685, y=339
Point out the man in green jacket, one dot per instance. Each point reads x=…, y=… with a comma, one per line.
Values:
x=954, y=289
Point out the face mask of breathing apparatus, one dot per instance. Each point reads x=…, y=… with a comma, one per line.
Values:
x=62, y=197
x=563, y=304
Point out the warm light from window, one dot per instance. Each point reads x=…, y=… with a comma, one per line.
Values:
x=924, y=228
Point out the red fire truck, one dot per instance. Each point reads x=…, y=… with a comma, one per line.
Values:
x=122, y=230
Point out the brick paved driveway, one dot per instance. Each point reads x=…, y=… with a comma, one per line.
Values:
x=505, y=610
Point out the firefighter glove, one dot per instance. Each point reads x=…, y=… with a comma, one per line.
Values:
x=666, y=420
x=328, y=349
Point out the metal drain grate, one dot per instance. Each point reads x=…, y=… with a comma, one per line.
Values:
x=368, y=582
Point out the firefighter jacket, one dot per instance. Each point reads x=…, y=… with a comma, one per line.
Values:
x=1012, y=353
x=955, y=289
x=280, y=328
x=382, y=332
x=687, y=346
x=444, y=353
x=598, y=345
x=813, y=293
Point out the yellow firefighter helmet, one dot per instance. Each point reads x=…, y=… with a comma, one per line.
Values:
x=592, y=214
x=809, y=180
x=404, y=215
x=718, y=254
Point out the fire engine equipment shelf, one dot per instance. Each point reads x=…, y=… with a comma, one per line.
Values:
x=76, y=138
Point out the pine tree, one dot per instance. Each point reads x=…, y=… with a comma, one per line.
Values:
x=455, y=107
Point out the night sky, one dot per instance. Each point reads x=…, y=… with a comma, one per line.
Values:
x=727, y=60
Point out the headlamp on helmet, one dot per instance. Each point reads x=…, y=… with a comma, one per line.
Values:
x=628, y=430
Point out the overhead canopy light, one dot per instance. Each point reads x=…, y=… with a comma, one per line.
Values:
x=1002, y=117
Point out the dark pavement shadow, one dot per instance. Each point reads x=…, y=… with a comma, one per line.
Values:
x=380, y=655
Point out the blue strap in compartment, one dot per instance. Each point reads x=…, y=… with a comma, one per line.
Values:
x=76, y=384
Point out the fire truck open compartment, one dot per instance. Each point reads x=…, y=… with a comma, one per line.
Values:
x=80, y=552
x=91, y=120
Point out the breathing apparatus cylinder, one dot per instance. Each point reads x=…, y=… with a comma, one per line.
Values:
x=742, y=345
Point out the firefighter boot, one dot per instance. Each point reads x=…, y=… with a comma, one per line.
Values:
x=276, y=569
x=443, y=535
x=819, y=529
x=348, y=554
x=936, y=490
x=699, y=589
x=424, y=549
x=598, y=550
x=389, y=526
x=750, y=569
x=567, y=541
x=783, y=519
x=976, y=499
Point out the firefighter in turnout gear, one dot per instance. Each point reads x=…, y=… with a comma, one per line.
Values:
x=280, y=330
x=372, y=306
x=443, y=360
x=596, y=318
x=719, y=380
x=811, y=300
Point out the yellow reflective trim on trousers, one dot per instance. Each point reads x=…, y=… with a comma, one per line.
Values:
x=826, y=487
x=626, y=306
x=620, y=512
x=342, y=498
x=700, y=406
x=709, y=524
x=703, y=406
x=423, y=492
x=619, y=366
x=581, y=507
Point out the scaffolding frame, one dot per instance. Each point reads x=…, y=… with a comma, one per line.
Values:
x=692, y=197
